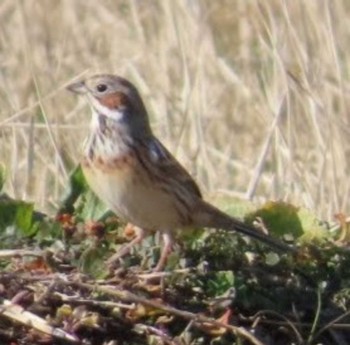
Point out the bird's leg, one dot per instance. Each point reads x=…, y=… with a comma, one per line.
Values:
x=167, y=248
x=140, y=235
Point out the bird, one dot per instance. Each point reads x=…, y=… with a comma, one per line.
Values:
x=132, y=172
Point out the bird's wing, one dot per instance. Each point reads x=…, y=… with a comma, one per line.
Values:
x=164, y=167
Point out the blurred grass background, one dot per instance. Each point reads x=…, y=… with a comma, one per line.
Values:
x=252, y=96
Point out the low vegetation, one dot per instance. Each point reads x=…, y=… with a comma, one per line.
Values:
x=252, y=97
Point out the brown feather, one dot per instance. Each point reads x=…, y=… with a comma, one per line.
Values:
x=114, y=100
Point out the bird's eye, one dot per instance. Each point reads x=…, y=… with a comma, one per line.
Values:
x=101, y=87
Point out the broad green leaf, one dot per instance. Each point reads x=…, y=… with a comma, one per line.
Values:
x=17, y=214
x=79, y=196
x=279, y=218
x=24, y=218
x=93, y=208
x=76, y=186
x=285, y=219
x=312, y=227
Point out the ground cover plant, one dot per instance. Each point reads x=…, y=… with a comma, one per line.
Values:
x=252, y=97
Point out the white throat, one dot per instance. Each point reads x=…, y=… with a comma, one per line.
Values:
x=108, y=146
x=98, y=108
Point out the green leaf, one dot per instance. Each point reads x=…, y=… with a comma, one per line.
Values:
x=93, y=208
x=16, y=213
x=279, y=218
x=272, y=259
x=24, y=217
x=285, y=219
x=89, y=206
x=76, y=186
x=312, y=227
x=91, y=262
x=2, y=176
x=221, y=282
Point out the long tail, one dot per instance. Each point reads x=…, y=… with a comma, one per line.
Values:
x=207, y=215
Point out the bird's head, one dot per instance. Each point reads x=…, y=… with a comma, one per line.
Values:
x=116, y=99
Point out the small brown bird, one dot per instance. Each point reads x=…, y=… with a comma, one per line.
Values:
x=136, y=176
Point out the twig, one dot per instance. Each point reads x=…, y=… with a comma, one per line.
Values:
x=317, y=316
x=333, y=324
x=286, y=323
x=159, y=333
x=153, y=275
x=105, y=304
x=8, y=253
x=127, y=296
x=16, y=313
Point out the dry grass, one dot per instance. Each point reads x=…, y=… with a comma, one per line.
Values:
x=252, y=96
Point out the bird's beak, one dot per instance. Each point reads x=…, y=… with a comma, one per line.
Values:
x=77, y=87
